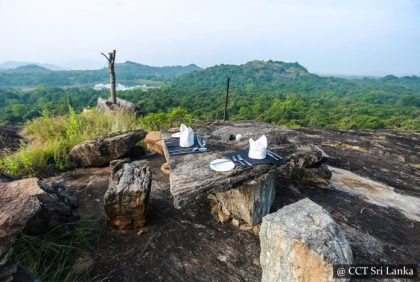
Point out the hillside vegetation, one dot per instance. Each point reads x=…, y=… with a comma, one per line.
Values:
x=282, y=93
x=128, y=73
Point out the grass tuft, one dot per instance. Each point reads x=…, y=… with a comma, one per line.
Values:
x=53, y=256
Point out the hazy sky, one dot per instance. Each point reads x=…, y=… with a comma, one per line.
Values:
x=344, y=37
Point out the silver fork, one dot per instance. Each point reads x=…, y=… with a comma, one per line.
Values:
x=242, y=159
x=236, y=160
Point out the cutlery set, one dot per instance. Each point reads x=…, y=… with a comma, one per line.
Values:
x=183, y=151
x=240, y=160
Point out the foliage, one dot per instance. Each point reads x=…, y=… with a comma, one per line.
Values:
x=55, y=257
x=281, y=93
x=128, y=73
x=159, y=121
x=53, y=137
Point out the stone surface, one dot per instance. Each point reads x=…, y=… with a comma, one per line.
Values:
x=301, y=242
x=387, y=156
x=153, y=142
x=250, y=202
x=375, y=192
x=125, y=202
x=191, y=177
x=188, y=239
x=102, y=150
x=103, y=105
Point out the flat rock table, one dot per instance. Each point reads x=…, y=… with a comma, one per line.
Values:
x=245, y=192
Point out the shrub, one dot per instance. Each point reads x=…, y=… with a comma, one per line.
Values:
x=53, y=137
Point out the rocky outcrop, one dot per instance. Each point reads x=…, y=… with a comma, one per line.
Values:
x=306, y=166
x=102, y=150
x=301, y=242
x=154, y=141
x=126, y=200
x=374, y=154
x=31, y=206
x=122, y=105
x=9, y=138
x=249, y=203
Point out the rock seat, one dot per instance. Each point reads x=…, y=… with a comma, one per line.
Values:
x=301, y=242
x=125, y=202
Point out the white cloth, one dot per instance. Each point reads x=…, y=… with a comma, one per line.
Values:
x=258, y=149
x=186, y=136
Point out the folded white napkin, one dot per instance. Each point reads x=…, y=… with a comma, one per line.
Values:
x=258, y=149
x=186, y=136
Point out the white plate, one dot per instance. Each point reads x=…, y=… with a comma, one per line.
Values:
x=222, y=165
x=176, y=135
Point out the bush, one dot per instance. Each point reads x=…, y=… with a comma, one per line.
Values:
x=53, y=137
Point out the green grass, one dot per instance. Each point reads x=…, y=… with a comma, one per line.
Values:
x=51, y=139
x=55, y=256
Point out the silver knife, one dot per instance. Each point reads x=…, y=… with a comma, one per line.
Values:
x=226, y=161
x=242, y=159
x=272, y=155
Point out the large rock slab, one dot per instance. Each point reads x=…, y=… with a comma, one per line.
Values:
x=103, y=105
x=249, y=203
x=191, y=177
x=102, y=150
x=301, y=242
x=126, y=200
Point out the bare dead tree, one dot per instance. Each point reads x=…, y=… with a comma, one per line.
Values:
x=111, y=60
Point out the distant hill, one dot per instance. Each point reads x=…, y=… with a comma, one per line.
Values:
x=14, y=64
x=129, y=68
x=28, y=69
x=128, y=73
x=253, y=74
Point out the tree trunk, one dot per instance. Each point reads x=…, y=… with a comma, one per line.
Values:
x=111, y=61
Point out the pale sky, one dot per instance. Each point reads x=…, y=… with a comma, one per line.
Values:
x=367, y=37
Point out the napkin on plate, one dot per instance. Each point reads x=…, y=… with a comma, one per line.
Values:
x=186, y=136
x=258, y=149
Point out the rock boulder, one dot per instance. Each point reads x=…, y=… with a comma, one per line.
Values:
x=102, y=150
x=154, y=141
x=125, y=202
x=301, y=242
x=122, y=105
x=31, y=206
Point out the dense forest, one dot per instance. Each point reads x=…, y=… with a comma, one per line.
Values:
x=129, y=73
x=282, y=93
